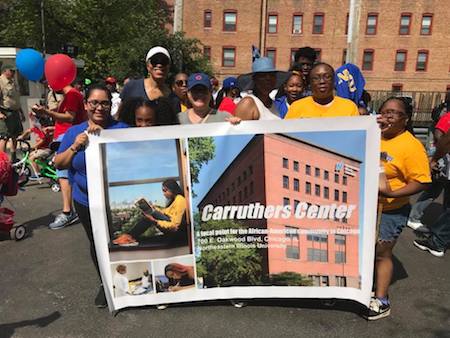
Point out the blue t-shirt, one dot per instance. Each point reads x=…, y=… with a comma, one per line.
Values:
x=77, y=169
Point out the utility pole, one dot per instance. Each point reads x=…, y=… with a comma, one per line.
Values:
x=44, y=48
x=178, y=16
x=353, y=31
x=262, y=29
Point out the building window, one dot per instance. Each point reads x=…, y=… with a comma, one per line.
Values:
x=285, y=182
x=317, y=255
x=336, y=195
x=308, y=169
x=285, y=163
x=397, y=87
x=250, y=170
x=229, y=57
x=347, y=20
x=344, y=197
x=339, y=257
x=320, y=238
x=251, y=187
x=317, y=172
x=296, y=184
x=320, y=280
x=229, y=21
x=240, y=195
x=400, y=60
x=296, y=203
x=372, y=23
x=271, y=53
x=207, y=19
x=336, y=178
x=293, y=243
x=239, y=180
x=245, y=192
x=317, y=190
x=425, y=28
x=286, y=201
x=228, y=191
x=244, y=175
x=207, y=52
x=297, y=24
x=344, y=180
x=422, y=61
x=344, y=56
x=292, y=59
x=405, y=24
x=326, y=192
x=308, y=188
x=296, y=167
x=341, y=281
x=272, y=24
x=339, y=239
x=318, y=23
x=232, y=186
x=368, y=59
x=326, y=175
x=318, y=54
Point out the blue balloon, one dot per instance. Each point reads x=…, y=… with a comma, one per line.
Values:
x=30, y=64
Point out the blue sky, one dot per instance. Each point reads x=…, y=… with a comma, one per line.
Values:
x=350, y=143
x=140, y=160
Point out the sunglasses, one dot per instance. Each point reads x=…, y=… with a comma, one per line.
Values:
x=180, y=83
x=159, y=59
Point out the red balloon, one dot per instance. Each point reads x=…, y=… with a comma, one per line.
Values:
x=60, y=71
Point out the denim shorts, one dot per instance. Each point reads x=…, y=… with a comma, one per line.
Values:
x=392, y=223
x=64, y=173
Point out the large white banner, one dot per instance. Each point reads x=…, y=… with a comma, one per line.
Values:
x=262, y=209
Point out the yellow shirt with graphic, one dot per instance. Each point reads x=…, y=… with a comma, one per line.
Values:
x=404, y=159
x=175, y=211
x=307, y=107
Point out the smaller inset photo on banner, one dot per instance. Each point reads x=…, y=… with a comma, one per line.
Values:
x=132, y=279
x=174, y=274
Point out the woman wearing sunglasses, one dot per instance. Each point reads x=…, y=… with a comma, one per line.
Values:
x=178, y=97
x=71, y=156
x=154, y=86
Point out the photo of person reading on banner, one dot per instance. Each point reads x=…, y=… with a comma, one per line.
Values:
x=180, y=276
x=168, y=220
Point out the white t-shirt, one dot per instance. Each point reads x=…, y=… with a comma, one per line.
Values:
x=115, y=103
x=120, y=284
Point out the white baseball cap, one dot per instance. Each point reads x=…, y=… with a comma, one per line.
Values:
x=157, y=50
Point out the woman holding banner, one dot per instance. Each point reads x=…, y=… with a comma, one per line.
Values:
x=406, y=173
x=71, y=156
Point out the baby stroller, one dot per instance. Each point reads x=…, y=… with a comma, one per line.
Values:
x=9, y=187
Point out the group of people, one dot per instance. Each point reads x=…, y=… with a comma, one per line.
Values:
x=307, y=90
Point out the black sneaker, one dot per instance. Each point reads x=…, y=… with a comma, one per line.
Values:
x=428, y=245
x=100, y=299
x=377, y=310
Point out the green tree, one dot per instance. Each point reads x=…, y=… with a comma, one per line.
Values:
x=289, y=278
x=201, y=151
x=113, y=36
x=226, y=267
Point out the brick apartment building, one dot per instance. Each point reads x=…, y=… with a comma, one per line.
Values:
x=283, y=170
x=402, y=44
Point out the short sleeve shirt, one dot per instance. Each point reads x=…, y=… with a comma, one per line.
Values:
x=404, y=159
x=307, y=107
x=9, y=93
x=72, y=102
x=444, y=123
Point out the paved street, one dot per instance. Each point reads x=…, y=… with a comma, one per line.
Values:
x=48, y=286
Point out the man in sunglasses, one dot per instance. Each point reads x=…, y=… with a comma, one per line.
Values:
x=154, y=86
x=178, y=98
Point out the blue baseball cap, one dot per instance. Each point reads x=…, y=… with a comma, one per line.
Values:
x=199, y=79
x=229, y=82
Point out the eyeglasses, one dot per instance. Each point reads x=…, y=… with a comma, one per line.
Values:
x=325, y=77
x=389, y=113
x=164, y=189
x=180, y=83
x=95, y=104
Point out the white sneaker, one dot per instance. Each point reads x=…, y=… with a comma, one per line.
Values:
x=162, y=306
x=414, y=224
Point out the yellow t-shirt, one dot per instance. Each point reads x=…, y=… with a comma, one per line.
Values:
x=404, y=160
x=175, y=211
x=183, y=107
x=307, y=107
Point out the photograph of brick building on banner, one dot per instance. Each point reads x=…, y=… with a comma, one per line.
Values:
x=316, y=243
